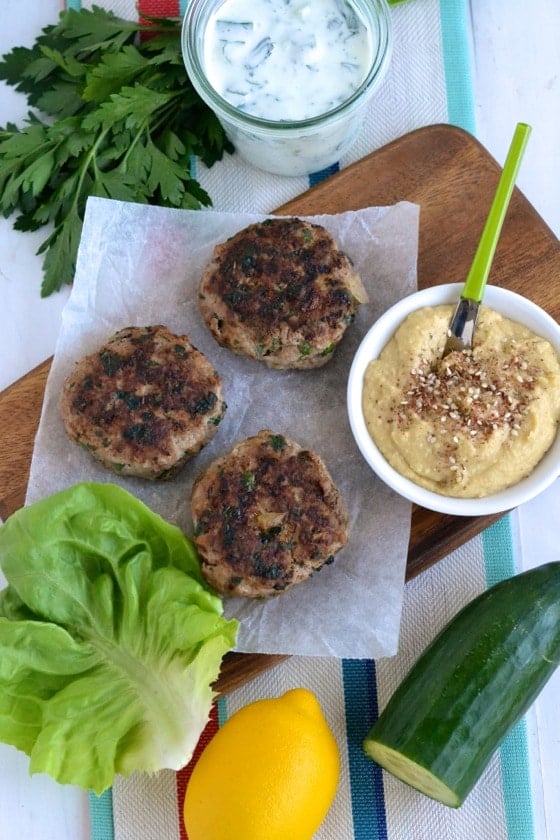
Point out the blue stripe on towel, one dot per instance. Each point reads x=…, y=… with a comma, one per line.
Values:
x=366, y=780
x=316, y=177
x=499, y=561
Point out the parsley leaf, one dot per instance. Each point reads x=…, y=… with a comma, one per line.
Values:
x=124, y=122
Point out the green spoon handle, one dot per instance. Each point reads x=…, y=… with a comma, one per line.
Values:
x=480, y=268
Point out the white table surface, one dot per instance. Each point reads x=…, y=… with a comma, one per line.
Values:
x=516, y=64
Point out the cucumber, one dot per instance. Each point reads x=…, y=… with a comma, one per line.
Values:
x=470, y=687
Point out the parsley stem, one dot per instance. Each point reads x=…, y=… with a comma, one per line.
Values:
x=90, y=158
x=136, y=139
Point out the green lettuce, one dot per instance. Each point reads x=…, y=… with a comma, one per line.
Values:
x=110, y=639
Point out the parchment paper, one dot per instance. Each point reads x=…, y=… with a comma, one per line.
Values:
x=139, y=266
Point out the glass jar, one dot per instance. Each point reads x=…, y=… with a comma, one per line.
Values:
x=215, y=34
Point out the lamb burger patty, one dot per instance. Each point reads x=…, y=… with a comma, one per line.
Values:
x=266, y=516
x=144, y=403
x=282, y=292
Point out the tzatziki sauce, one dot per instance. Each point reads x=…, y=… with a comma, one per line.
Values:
x=286, y=60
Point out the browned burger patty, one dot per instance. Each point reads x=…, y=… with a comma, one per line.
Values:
x=280, y=291
x=266, y=516
x=144, y=403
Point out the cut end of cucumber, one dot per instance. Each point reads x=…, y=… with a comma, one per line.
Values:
x=410, y=772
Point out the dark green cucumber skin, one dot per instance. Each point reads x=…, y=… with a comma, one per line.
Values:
x=477, y=679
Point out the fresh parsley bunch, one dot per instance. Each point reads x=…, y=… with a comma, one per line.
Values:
x=119, y=118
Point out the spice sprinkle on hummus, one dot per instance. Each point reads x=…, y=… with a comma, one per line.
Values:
x=471, y=423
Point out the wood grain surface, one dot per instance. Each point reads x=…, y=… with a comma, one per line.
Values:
x=452, y=177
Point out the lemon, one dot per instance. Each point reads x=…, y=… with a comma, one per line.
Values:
x=270, y=773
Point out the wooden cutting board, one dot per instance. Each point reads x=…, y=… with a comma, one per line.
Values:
x=453, y=179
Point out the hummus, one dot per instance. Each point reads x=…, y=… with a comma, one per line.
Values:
x=470, y=424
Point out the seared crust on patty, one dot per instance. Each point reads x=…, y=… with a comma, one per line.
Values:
x=144, y=403
x=266, y=516
x=282, y=292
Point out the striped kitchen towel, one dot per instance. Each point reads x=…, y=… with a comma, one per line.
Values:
x=370, y=804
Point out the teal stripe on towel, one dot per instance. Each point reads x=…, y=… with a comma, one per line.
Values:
x=455, y=28
x=499, y=558
x=366, y=780
x=222, y=710
x=101, y=816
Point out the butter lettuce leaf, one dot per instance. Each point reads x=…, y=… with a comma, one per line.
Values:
x=110, y=639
